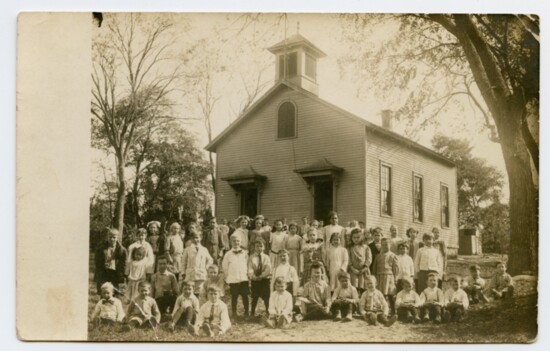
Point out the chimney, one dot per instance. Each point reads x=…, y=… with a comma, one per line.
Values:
x=387, y=121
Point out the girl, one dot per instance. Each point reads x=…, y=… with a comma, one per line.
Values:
x=352, y=225
x=293, y=244
x=375, y=246
x=312, y=251
x=136, y=271
x=385, y=269
x=287, y=272
x=174, y=249
x=242, y=231
x=360, y=259
x=442, y=247
x=414, y=244
x=259, y=233
x=277, y=242
x=280, y=306
x=149, y=256
x=332, y=228
x=337, y=260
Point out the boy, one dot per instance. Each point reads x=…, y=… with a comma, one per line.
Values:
x=394, y=239
x=164, y=286
x=109, y=309
x=213, y=278
x=344, y=299
x=213, y=318
x=373, y=307
x=186, y=309
x=287, y=272
x=195, y=260
x=280, y=306
x=110, y=262
x=474, y=285
x=442, y=247
x=405, y=264
x=259, y=273
x=213, y=240
x=501, y=285
x=432, y=300
x=316, y=300
x=456, y=301
x=407, y=302
x=428, y=260
x=304, y=227
x=234, y=266
x=143, y=310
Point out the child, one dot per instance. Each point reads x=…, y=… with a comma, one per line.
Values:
x=432, y=300
x=242, y=231
x=344, y=299
x=136, y=271
x=293, y=244
x=304, y=227
x=149, y=256
x=213, y=278
x=143, y=310
x=407, y=302
x=414, y=244
x=185, y=309
x=456, y=301
x=385, y=269
x=316, y=299
x=259, y=273
x=235, y=267
x=195, y=260
x=153, y=227
x=213, y=318
x=352, y=225
x=287, y=272
x=474, y=285
x=277, y=242
x=394, y=239
x=164, y=286
x=373, y=306
x=280, y=306
x=312, y=251
x=108, y=309
x=174, y=249
x=332, y=228
x=360, y=259
x=442, y=247
x=501, y=285
x=213, y=240
x=375, y=246
x=259, y=233
x=405, y=265
x=427, y=260
x=337, y=259
x=110, y=262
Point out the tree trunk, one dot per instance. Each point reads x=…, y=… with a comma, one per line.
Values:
x=212, y=171
x=121, y=195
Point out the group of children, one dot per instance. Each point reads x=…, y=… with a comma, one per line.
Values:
x=324, y=273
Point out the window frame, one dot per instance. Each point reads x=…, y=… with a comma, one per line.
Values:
x=444, y=224
x=422, y=214
x=282, y=61
x=295, y=121
x=383, y=164
x=313, y=66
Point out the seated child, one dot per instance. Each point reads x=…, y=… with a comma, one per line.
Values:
x=164, y=286
x=407, y=302
x=432, y=300
x=186, y=309
x=373, y=307
x=213, y=318
x=143, y=310
x=501, y=285
x=213, y=278
x=456, y=301
x=344, y=299
x=259, y=273
x=280, y=306
x=108, y=309
x=315, y=300
x=474, y=285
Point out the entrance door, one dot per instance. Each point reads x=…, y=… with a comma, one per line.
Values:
x=249, y=202
x=323, y=199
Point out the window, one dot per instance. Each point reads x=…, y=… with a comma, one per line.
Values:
x=385, y=190
x=311, y=67
x=418, y=212
x=444, y=206
x=291, y=65
x=286, y=121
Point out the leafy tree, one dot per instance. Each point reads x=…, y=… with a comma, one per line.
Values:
x=491, y=61
x=495, y=220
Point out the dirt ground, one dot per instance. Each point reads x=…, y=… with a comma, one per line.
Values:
x=496, y=322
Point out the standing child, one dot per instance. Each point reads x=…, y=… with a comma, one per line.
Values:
x=154, y=227
x=427, y=261
x=287, y=272
x=501, y=285
x=174, y=249
x=242, y=231
x=405, y=264
x=185, y=309
x=235, y=267
x=277, y=242
x=259, y=273
x=312, y=252
x=407, y=302
x=280, y=306
x=442, y=247
x=213, y=278
x=474, y=285
x=344, y=299
x=360, y=259
x=143, y=310
x=414, y=244
x=149, y=256
x=394, y=239
x=293, y=244
x=213, y=318
x=259, y=233
x=136, y=271
x=316, y=299
x=332, y=228
x=164, y=287
x=432, y=300
x=456, y=301
x=108, y=309
x=385, y=269
x=376, y=245
x=110, y=262
x=213, y=240
x=373, y=307
x=304, y=227
x=195, y=260
x=337, y=259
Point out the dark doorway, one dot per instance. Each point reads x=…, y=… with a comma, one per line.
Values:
x=249, y=202
x=323, y=200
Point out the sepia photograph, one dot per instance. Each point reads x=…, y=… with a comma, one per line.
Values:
x=294, y=177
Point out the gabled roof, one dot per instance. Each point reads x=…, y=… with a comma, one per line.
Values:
x=294, y=41
x=370, y=127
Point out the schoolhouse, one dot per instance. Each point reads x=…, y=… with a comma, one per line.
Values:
x=293, y=154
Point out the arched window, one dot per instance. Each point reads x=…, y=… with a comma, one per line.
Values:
x=286, y=121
